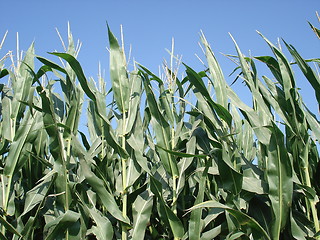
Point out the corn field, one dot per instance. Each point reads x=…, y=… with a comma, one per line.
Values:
x=161, y=157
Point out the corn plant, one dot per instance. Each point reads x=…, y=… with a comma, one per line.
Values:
x=162, y=157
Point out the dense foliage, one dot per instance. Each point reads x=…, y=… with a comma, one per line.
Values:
x=164, y=158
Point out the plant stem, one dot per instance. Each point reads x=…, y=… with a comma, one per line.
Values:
x=311, y=202
x=174, y=179
x=102, y=139
x=3, y=201
x=124, y=198
x=124, y=178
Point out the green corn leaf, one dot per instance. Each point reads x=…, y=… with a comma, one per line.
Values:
x=135, y=82
x=103, y=228
x=48, y=66
x=107, y=128
x=273, y=65
x=292, y=103
x=36, y=195
x=182, y=154
x=7, y=127
x=313, y=123
x=306, y=70
x=3, y=237
x=165, y=96
x=195, y=223
x=273, y=97
x=56, y=144
x=233, y=236
x=174, y=222
x=61, y=224
x=316, y=30
x=259, y=209
x=284, y=67
x=161, y=128
x=136, y=141
x=9, y=227
x=297, y=231
x=29, y=229
x=3, y=73
x=250, y=77
x=102, y=232
x=18, y=143
x=106, y=198
x=142, y=207
x=167, y=104
x=185, y=162
x=76, y=67
x=99, y=104
x=262, y=133
x=84, y=140
x=196, y=80
x=230, y=177
x=279, y=178
x=73, y=117
x=242, y=218
x=216, y=74
x=253, y=185
x=23, y=80
x=119, y=75
x=212, y=233
x=34, y=199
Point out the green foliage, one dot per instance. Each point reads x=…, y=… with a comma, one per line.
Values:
x=163, y=159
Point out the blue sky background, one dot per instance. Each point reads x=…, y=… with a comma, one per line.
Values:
x=150, y=25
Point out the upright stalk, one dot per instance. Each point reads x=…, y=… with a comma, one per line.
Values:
x=311, y=204
x=174, y=178
x=124, y=178
x=3, y=229
x=171, y=86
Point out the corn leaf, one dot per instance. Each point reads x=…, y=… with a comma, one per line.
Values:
x=242, y=218
x=161, y=128
x=196, y=80
x=9, y=227
x=118, y=74
x=195, y=223
x=142, y=207
x=219, y=82
x=106, y=198
x=279, y=178
x=61, y=224
x=306, y=70
x=174, y=222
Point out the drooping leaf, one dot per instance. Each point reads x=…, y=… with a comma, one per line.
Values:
x=75, y=65
x=306, y=70
x=36, y=195
x=106, y=197
x=9, y=226
x=196, y=80
x=103, y=228
x=142, y=207
x=161, y=128
x=175, y=223
x=61, y=224
x=242, y=218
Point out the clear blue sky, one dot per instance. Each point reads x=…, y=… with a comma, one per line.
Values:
x=150, y=25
